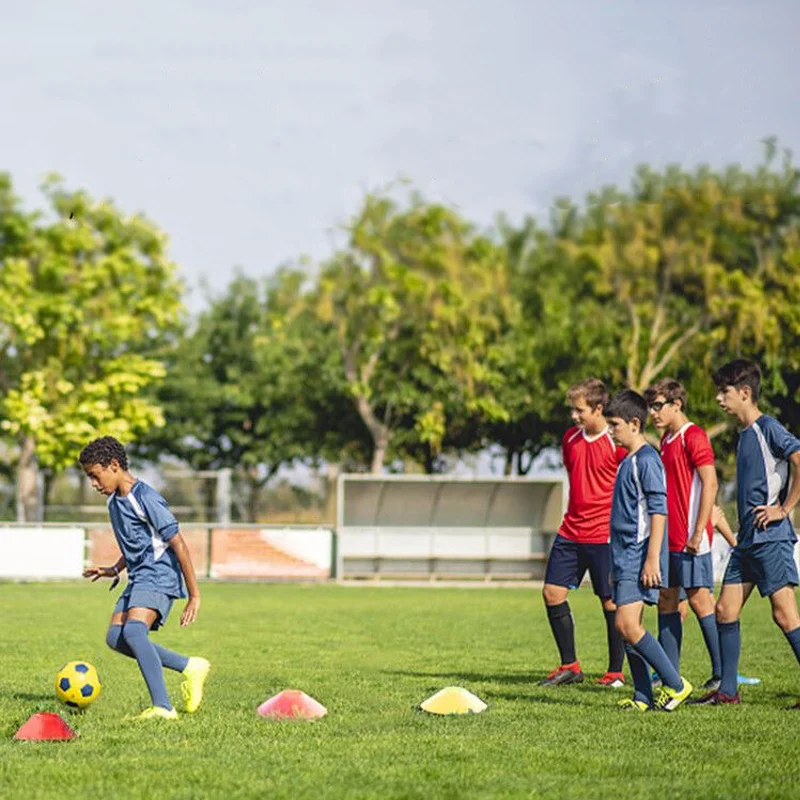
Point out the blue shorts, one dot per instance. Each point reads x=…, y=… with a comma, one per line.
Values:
x=770, y=566
x=690, y=572
x=134, y=597
x=628, y=591
x=568, y=562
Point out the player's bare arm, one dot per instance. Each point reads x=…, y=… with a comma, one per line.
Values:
x=708, y=494
x=178, y=545
x=720, y=523
x=95, y=573
x=651, y=573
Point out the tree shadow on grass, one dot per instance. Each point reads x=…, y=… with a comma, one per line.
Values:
x=472, y=677
x=39, y=697
x=554, y=700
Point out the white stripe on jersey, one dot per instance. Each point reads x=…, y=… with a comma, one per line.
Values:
x=575, y=435
x=643, y=521
x=777, y=472
x=694, y=501
x=159, y=545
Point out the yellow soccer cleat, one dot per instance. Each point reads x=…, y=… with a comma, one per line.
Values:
x=669, y=699
x=157, y=712
x=195, y=674
x=629, y=704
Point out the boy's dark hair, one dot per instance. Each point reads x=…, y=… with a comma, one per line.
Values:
x=592, y=390
x=628, y=405
x=102, y=451
x=739, y=373
x=669, y=389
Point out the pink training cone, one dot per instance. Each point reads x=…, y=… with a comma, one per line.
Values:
x=45, y=727
x=292, y=704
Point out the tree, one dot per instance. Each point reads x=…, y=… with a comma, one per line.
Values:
x=85, y=297
x=417, y=305
x=685, y=271
x=247, y=387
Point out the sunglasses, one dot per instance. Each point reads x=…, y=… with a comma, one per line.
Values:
x=659, y=404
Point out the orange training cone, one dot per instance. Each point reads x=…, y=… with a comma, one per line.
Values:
x=45, y=727
x=292, y=704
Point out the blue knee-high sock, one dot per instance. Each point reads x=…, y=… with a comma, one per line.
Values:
x=708, y=625
x=670, y=636
x=730, y=646
x=794, y=641
x=169, y=659
x=116, y=641
x=653, y=653
x=135, y=634
x=642, y=686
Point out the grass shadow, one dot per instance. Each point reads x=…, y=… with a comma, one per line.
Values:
x=474, y=677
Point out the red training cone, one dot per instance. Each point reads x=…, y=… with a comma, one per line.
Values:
x=45, y=727
x=292, y=704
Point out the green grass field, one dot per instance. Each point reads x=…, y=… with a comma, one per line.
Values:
x=371, y=655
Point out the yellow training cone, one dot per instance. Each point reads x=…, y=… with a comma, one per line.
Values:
x=453, y=700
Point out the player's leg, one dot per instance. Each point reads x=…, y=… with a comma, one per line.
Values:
x=702, y=603
x=628, y=618
x=670, y=625
x=780, y=580
x=560, y=576
x=116, y=641
x=114, y=638
x=136, y=632
x=598, y=558
x=630, y=597
x=737, y=584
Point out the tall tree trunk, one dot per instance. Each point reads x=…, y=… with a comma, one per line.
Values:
x=46, y=487
x=27, y=483
x=331, y=497
x=210, y=499
x=379, y=453
x=509, y=465
x=253, y=498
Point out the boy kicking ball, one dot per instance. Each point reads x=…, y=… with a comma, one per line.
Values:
x=158, y=562
x=639, y=554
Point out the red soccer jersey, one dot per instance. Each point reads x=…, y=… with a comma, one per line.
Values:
x=591, y=464
x=682, y=453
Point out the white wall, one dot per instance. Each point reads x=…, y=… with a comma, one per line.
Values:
x=41, y=552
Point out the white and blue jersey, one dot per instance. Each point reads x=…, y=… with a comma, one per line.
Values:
x=762, y=477
x=639, y=492
x=143, y=526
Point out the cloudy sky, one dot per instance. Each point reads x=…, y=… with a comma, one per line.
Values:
x=249, y=129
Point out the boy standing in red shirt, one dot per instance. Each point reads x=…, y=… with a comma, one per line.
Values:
x=591, y=459
x=691, y=493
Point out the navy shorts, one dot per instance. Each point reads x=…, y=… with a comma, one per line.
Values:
x=688, y=571
x=770, y=566
x=628, y=591
x=568, y=562
x=134, y=597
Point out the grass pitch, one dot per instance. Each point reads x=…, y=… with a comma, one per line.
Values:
x=370, y=655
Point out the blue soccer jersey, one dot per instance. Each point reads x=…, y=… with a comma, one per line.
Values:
x=143, y=526
x=762, y=478
x=639, y=491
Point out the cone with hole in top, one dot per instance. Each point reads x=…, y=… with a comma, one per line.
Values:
x=45, y=727
x=292, y=704
x=453, y=700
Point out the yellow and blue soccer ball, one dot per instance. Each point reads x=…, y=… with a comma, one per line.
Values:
x=77, y=684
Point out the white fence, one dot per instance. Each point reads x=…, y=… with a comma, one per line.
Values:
x=245, y=552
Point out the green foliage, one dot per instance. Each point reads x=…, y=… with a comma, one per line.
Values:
x=418, y=305
x=84, y=303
